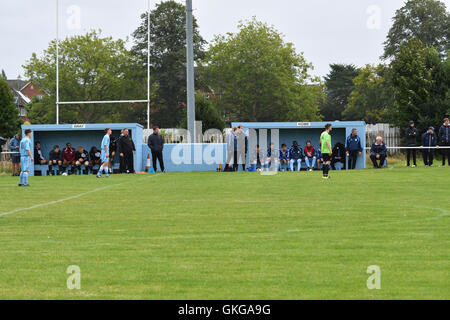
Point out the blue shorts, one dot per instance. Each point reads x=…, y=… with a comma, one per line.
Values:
x=25, y=163
x=103, y=157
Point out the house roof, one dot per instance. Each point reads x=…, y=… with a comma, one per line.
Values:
x=16, y=84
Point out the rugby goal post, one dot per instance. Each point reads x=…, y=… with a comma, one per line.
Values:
x=60, y=103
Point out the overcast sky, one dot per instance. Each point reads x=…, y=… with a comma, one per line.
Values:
x=327, y=31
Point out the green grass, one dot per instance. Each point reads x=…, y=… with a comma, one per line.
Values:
x=228, y=236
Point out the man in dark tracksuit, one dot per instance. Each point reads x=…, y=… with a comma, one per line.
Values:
x=126, y=151
x=429, y=140
x=378, y=152
x=156, y=145
x=444, y=137
x=411, y=134
x=354, y=148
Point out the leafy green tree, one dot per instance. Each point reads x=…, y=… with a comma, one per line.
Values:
x=91, y=68
x=426, y=20
x=306, y=107
x=168, y=58
x=206, y=111
x=339, y=85
x=259, y=76
x=9, y=115
x=371, y=97
x=421, y=83
x=3, y=75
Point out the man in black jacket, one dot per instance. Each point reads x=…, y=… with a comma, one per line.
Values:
x=378, y=153
x=126, y=152
x=411, y=134
x=444, y=137
x=429, y=142
x=156, y=145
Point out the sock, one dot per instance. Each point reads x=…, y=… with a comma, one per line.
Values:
x=325, y=170
x=100, y=171
x=21, y=178
x=106, y=170
x=25, y=178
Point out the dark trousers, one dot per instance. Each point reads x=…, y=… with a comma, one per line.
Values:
x=127, y=162
x=381, y=160
x=445, y=152
x=428, y=156
x=235, y=162
x=408, y=156
x=352, y=158
x=158, y=155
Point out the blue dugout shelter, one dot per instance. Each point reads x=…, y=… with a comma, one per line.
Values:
x=85, y=135
x=304, y=131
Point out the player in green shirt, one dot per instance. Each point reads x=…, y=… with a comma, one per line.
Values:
x=325, y=146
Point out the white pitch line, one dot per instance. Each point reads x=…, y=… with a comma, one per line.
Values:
x=68, y=198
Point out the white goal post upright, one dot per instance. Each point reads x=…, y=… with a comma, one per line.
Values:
x=58, y=103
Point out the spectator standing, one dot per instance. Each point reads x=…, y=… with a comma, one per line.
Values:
x=68, y=155
x=378, y=153
x=411, y=134
x=14, y=146
x=444, y=137
x=354, y=149
x=54, y=158
x=230, y=149
x=310, y=156
x=429, y=142
x=38, y=156
x=295, y=155
x=156, y=145
x=127, y=150
x=242, y=147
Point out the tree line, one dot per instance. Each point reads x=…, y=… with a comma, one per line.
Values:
x=251, y=75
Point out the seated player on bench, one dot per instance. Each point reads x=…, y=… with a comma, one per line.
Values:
x=258, y=159
x=319, y=159
x=271, y=158
x=81, y=158
x=55, y=159
x=38, y=157
x=310, y=156
x=296, y=155
x=284, y=158
x=94, y=157
x=68, y=154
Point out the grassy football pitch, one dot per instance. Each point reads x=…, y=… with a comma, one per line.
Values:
x=228, y=236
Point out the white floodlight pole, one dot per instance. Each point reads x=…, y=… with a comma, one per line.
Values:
x=190, y=71
x=148, y=66
x=57, y=61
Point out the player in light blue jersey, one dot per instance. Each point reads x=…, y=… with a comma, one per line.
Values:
x=105, y=154
x=26, y=158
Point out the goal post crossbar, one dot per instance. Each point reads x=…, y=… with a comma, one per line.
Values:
x=102, y=102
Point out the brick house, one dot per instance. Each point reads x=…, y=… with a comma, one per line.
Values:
x=23, y=92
